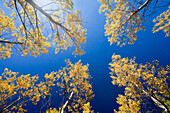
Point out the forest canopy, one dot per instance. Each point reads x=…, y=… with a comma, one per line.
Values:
x=34, y=27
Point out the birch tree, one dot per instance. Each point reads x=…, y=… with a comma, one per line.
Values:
x=32, y=28
x=72, y=80
x=147, y=81
x=124, y=18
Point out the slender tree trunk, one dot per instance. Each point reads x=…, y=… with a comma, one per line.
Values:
x=67, y=102
x=155, y=100
x=4, y=109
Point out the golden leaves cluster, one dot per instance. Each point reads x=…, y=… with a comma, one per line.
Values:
x=75, y=34
x=26, y=29
x=163, y=22
x=140, y=80
x=121, y=27
x=6, y=26
x=12, y=86
x=25, y=35
x=87, y=108
x=54, y=110
x=72, y=78
x=122, y=67
x=75, y=78
x=128, y=105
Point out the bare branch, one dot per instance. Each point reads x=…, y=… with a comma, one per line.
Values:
x=21, y=18
x=48, y=4
x=9, y=42
x=33, y=4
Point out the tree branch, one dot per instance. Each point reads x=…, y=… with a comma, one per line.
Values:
x=140, y=8
x=155, y=100
x=33, y=4
x=19, y=98
x=25, y=29
x=67, y=102
x=65, y=91
x=9, y=42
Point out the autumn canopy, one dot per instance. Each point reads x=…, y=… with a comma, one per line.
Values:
x=32, y=28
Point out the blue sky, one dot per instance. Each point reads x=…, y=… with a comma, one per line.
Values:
x=147, y=48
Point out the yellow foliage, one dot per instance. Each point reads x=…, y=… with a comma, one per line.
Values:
x=27, y=31
x=54, y=110
x=121, y=26
x=74, y=77
x=128, y=105
x=125, y=18
x=147, y=80
x=163, y=23
x=87, y=108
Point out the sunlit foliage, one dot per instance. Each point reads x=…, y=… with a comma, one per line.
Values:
x=75, y=86
x=14, y=89
x=73, y=81
x=128, y=105
x=124, y=18
x=54, y=110
x=86, y=109
x=32, y=28
x=149, y=80
x=163, y=23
